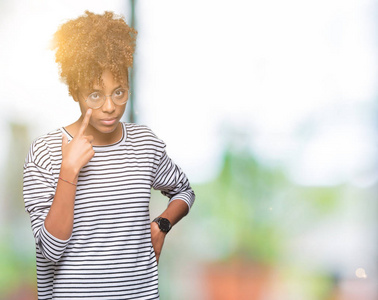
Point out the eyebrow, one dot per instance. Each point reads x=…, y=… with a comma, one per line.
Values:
x=97, y=90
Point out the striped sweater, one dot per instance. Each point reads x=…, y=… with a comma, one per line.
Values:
x=109, y=254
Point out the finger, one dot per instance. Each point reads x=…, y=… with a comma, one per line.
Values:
x=85, y=122
x=64, y=140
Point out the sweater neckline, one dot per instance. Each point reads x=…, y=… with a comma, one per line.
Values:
x=102, y=147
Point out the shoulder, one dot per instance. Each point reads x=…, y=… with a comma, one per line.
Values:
x=44, y=146
x=142, y=134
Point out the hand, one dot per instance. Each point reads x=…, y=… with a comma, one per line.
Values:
x=79, y=151
x=157, y=239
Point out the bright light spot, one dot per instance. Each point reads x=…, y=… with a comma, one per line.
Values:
x=360, y=273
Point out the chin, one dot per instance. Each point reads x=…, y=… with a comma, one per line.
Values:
x=105, y=129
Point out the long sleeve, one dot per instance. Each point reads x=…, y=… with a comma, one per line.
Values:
x=39, y=191
x=172, y=181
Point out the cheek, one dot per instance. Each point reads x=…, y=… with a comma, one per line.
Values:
x=121, y=109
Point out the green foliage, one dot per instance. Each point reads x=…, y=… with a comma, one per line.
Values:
x=15, y=269
x=247, y=209
x=240, y=200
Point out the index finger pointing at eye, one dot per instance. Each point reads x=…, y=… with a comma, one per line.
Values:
x=85, y=122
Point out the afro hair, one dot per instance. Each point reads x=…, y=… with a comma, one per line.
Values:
x=89, y=45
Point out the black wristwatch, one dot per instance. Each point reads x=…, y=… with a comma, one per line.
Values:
x=163, y=223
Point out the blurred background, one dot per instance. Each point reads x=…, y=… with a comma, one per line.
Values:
x=270, y=107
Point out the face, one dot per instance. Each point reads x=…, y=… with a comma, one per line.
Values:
x=104, y=120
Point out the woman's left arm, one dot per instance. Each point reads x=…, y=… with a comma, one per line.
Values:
x=173, y=183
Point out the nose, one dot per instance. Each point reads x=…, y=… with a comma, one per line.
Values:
x=109, y=105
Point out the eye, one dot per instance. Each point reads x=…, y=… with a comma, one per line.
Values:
x=120, y=93
x=96, y=96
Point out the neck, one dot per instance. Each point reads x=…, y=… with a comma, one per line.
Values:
x=103, y=139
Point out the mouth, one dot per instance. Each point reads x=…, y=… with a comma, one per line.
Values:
x=108, y=122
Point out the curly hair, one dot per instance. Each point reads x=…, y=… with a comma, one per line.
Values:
x=89, y=45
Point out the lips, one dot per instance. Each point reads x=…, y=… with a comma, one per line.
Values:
x=108, y=122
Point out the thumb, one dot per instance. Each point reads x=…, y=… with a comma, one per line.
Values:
x=64, y=140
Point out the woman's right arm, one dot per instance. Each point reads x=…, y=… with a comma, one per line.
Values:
x=50, y=203
x=75, y=155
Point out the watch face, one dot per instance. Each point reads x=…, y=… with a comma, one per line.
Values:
x=164, y=225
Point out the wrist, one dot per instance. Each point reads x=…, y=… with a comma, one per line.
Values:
x=155, y=230
x=69, y=173
x=163, y=224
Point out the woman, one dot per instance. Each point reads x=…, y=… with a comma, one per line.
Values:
x=87, y=185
